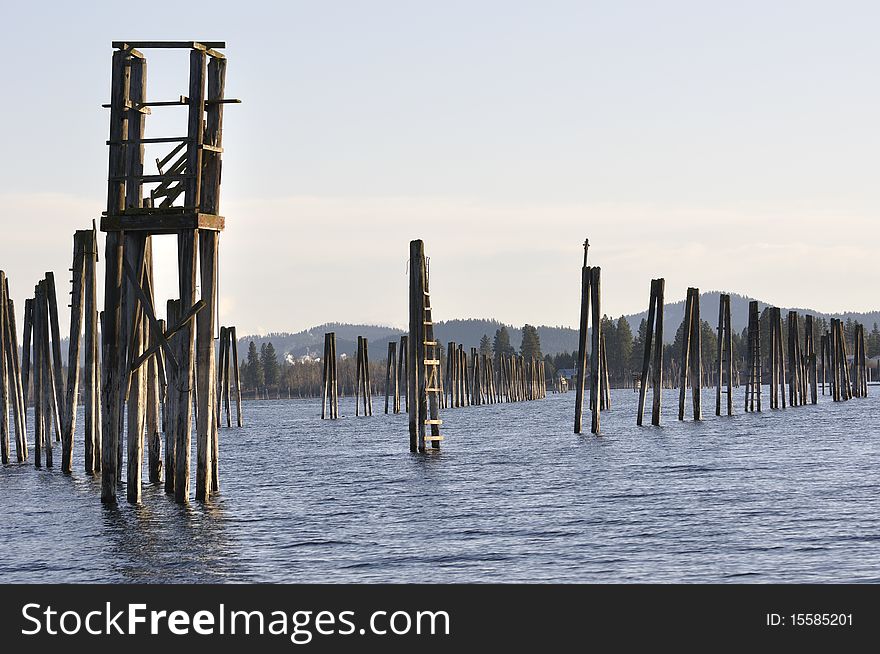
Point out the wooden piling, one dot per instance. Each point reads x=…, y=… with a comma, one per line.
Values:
x=583, y=326
x=91, y=363
x=57, y=370
x=41, y=441
x=4, y=374
x=725, y=355
x=153, y=412
x=21, y=446
x=686, y=352
x=595, y=355
x=391, y=393
x=26, y=348
x=325, y=377
x=646, y=359
x=172, y=401
x=236, y=381
x=185, y=378
x=81, y=242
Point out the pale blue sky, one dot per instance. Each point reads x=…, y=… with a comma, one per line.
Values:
x=721, y=145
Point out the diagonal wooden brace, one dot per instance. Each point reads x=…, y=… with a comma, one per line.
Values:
x=154, y=323
x=189, y=315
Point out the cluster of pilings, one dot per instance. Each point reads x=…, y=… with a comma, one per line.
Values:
x=521, y=379
x=228, y=377
x=835, y=371
x=13, y=384
x=591, y=310
x=802, y=379
x=475, y=379
x=466, y=379
x=362, y=386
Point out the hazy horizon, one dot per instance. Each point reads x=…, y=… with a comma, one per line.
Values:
x=722, y=146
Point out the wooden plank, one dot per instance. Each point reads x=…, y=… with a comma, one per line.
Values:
x=162, y=223
x=144, y=45
x=136, y=141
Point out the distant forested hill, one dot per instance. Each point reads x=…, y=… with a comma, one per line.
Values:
x=468, y=332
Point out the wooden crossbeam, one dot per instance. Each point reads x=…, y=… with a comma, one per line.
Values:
x=198, y=306
x=195, y=45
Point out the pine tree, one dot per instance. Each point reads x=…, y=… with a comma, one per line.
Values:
x=624, y=337
x=253, y=369
x=501, y=344
x=486, y=345
x=637, y=355
x=531, y=343
x=872, y=342
x=269, y=361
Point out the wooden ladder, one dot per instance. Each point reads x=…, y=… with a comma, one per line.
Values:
x=432, y=379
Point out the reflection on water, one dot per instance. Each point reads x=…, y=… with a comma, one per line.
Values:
x=514, y=496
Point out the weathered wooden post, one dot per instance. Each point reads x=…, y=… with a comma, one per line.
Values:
x=325, y=377
x=236, y=381
x=81, y=242
x=794, y=383
x=423, y=363
x=40, y=437
x=14, y=363
x=26, y=348
x=810, y=357
x=171, y=403
x=91, y=362
x=153, y=413
x=57, y=370
x=691, y=355
x=391, y=392
x=776, y=324
x=595, y=354
x=653, y=312
x=5, y=346
x=606, y=384
x=583, y=326
x=724, y=351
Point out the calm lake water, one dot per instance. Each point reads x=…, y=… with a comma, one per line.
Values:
x=781, y=496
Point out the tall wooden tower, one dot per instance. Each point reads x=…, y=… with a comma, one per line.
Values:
x=181, y=197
